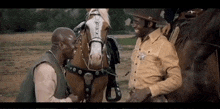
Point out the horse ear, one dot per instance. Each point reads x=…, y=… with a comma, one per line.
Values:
x=88, y=9
x=107, y=9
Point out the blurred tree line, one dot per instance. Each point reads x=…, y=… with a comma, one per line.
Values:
x=20, y=20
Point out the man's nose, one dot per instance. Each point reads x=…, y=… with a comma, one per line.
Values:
x=133, y=25
x=76, y=45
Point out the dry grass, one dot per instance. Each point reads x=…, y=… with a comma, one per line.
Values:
x=19, y=51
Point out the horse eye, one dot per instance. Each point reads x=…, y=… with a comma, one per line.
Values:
x=86, y=27
x=107, y=28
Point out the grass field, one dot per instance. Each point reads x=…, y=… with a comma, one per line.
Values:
x=127, y=41
x=19, y=51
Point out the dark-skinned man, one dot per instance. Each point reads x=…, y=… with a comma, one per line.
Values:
x=46, y=81
x=155, y=67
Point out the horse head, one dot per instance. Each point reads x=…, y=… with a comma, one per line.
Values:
x=96, y=29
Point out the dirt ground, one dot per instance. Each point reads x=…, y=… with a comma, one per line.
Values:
x=19, y=51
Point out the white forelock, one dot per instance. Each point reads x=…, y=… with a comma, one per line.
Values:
x=102, y=11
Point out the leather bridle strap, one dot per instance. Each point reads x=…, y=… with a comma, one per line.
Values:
x=88, y=76
x=96, y=39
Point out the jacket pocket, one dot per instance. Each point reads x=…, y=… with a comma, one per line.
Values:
x=151, y=60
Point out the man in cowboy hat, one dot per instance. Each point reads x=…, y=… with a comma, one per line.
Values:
x=155, y=67
x=46, y=81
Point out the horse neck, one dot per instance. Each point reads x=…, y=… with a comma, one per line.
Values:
x=202, y=38
x=194, y=52
x=78, y=57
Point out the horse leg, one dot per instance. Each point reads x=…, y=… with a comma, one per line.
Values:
x=208, y=80
x=98, y=88
x=76, y=84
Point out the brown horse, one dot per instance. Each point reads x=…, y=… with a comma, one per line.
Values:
x=196, y=47
x=89, y=79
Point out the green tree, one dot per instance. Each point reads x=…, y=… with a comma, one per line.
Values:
x=12, y=19
x=117, y=18
x=59, y=18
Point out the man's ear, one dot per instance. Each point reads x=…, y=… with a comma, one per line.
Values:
x=150, y=24
x=62, y=45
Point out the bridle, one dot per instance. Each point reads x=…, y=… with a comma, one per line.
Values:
x=96, y=38
x=93, y=39
x=88, y=74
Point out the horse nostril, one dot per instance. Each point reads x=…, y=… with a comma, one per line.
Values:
x=100, y=57
x=90, y=56
x=96, y=57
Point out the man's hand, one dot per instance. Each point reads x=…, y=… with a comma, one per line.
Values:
x=166, y=29
x=140, y=95
x=74, y=98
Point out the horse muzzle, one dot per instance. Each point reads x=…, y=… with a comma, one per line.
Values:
x=95, y=61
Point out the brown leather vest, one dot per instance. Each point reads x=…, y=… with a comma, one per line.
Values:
x=27, y=89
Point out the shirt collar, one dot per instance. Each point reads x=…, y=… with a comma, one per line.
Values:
x=153, y=35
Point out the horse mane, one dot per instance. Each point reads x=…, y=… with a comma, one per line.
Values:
x=201, y=27
x=103, y=12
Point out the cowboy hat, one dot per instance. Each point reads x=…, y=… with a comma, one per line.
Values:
x=147, y=14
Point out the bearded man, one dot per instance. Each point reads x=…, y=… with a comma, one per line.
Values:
x=155, y=67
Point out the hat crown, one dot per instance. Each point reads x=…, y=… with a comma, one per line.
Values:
x=148, y=14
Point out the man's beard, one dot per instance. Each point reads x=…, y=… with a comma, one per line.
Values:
x=138, y=33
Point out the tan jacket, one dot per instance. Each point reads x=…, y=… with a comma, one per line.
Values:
x=152, y=60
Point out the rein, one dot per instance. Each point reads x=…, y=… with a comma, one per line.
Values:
x=206, y=43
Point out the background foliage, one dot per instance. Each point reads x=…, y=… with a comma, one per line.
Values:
x=20, y=20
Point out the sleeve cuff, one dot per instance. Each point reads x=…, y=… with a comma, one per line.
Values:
x=66, y=100
x=154, y=90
